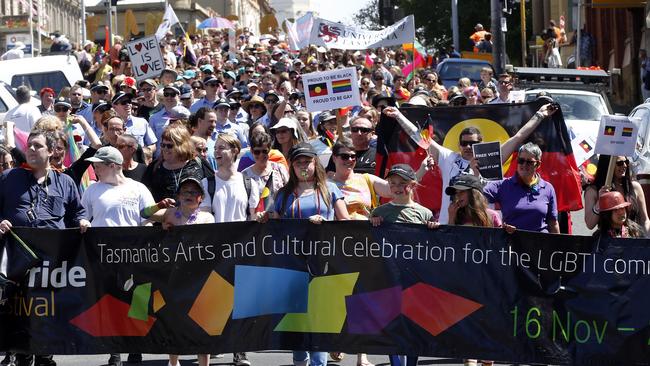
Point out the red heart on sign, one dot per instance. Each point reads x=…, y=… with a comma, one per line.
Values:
x=138, y=46
x=144, y=68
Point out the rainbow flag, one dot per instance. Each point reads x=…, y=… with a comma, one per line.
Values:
x=369, y=61
x=627, y=131
x=341, y=86
x=418, y=54
x=74, y=154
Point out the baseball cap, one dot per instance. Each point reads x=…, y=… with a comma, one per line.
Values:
x=464, y=182
x=98, y=85
x=207, y=68
x=179, y=112
x=221, y=103
x=172, y=87
x=119, y=96
x=191, y=180
x=325, y=116
x=189, y=74
x=403, y=170
x=150, y=82
x=302, y=149
x=107, y=154
x=230, y=74
x=62, y=101
x=186, y=91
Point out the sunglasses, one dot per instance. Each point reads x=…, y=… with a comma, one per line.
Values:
x=212, y=85
x=465, y=143
x=271, y=101
x=101, y=91
x=503, y=82
x=522, y=161
x=360, y=129
x=165, y=145
x=124, y=102
x=61, y=109
x=345, y=156
x=196, y=87
x=147, y=90
x=260, y=151
x=201, y=150
x=282, y=130
x=365, y=83
x=622, y=163
x=170, y=94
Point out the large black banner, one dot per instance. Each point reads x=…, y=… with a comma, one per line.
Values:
x=340, y=286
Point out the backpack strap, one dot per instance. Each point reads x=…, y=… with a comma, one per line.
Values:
x=212, y=184
x=247, y=185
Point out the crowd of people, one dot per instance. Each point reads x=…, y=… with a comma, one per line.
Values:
x=227, y=137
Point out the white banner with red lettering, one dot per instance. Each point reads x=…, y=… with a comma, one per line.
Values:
x=336, y=35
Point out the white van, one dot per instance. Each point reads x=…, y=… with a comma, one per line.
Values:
x=56, y=72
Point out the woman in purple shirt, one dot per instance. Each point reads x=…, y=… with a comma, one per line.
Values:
x=527, y=201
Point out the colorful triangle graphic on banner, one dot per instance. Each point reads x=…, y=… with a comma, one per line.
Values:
x=434, y=309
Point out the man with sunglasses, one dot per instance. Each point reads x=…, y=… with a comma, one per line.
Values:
x=148, y=103
x=211, y=85
x=361, y=132
x=504, y=86
x=159, y=120
x=136, y=126
x=453, y=164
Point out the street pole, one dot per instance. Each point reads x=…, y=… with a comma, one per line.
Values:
x=578, y=31
x=454, y=24
x=83, y=21
x=39, y=18
x=498, y=48
x=31, y=24
x=109, y=23
x=523, y=32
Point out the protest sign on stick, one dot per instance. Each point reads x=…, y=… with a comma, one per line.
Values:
x=146, y=59
x=331, y=89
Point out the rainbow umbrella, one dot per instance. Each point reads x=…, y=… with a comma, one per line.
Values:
x=216, y=22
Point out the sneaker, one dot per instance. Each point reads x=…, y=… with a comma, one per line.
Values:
x=115, y=360
x=134, y=358
x=240, y=359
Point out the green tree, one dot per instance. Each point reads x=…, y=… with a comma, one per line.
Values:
x=368, y=17
x=433, y=22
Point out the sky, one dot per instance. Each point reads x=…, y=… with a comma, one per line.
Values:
x=332, y=9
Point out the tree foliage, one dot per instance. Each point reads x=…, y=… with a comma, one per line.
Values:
x=433, y=22
x=368, y=17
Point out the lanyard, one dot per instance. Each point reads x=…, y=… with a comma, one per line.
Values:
x=295, y=205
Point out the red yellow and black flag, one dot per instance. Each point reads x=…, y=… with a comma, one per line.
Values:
x=497, y=122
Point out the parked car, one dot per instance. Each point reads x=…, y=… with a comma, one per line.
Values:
x=452, y=69
x=56, y=72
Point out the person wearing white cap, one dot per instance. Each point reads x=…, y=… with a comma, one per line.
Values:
x=115, y=200
x=159, y=120
x=15, y=52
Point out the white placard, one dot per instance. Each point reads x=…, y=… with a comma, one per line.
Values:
x=331, y=89
x=146, y=59
x=583, y=148
x=616, y=136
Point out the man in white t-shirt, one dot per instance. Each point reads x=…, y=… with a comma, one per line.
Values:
x=114, y=200
x=453, y=164
x=24, y=115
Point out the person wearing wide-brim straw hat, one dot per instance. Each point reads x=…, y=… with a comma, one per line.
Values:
x=255, y=108
x=613, y=217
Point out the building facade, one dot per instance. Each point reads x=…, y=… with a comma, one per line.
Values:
x=47, y=16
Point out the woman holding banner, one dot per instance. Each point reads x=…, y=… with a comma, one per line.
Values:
x=527, y=201
x=622, y=183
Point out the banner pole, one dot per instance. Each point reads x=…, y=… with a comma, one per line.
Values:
x=610, y=171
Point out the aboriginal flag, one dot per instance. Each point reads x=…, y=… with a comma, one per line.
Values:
x=497, y=122
x=317, y=90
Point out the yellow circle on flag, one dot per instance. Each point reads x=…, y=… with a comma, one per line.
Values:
x=317, y=89
x=490, y=130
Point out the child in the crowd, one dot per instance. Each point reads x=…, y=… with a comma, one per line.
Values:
x=402, y=209
x=187, y=212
